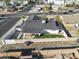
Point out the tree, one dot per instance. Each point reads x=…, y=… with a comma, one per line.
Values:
x=58, y=19
x=7, y=2
x=44, y=17
x=50, y=8
x=46, y=8
x=24, y=18
x=64, y=3
x=30, y=1
x=73, y=4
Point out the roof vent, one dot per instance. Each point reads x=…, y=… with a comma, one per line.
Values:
x=43, y=21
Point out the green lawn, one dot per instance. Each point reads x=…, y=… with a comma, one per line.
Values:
x=49, y=36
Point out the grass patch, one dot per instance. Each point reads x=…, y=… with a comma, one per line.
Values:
x=49, y=36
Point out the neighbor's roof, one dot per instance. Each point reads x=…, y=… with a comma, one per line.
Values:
x=36, y=26
x=39, y=45
x=71, y=18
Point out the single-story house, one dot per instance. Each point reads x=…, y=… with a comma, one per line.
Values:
x=40, y=27
x=60, y=2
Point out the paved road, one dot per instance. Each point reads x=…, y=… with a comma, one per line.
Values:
x=38, y=13
x=20, y=13
x=11, y=21
x=5, y=26
x=48, y=13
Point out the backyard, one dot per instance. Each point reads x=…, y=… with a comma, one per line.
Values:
x=49, y=36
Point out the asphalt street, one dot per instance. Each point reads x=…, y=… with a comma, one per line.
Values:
x=6, y=25
x=11, y=21
x=20, y=13
x=37, y=13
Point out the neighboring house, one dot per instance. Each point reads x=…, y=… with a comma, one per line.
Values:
x=12, y=1
x=72, y=1
x=60, y=2
x=25, y=2
x=19, y=1
x=2, y=3
x=71, y=19
x=56, y=2
x=76, y=2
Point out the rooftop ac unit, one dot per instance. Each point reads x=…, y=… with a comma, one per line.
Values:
x=43, y=21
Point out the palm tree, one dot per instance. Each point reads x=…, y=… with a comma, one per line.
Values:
x=64, y=3
x=30, y=1
x=50, y=6
x=73, y=4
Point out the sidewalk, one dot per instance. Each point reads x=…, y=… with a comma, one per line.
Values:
x=5, y=12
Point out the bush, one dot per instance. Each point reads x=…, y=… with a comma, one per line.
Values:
x=58, y=19
x=46, y=8
x=49, y=36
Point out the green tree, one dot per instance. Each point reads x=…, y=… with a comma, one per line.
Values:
x=46, y=8
x=7, y=2
x=44, y=17
x=65, y=3
x=50, y=8
x=73, y=4
x=58, y=19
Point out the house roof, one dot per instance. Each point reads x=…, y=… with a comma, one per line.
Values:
x=36, y=26
x=40, y=45
x=71, y=18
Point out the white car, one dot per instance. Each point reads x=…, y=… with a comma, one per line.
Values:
x=76, y=10
x=18, y=29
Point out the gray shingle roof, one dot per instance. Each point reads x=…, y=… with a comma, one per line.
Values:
x=36, y=26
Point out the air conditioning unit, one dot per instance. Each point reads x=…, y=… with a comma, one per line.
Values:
x=43, y=21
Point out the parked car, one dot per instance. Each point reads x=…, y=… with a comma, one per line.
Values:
x=16, y=4
x=28, y=42
x=70, y=10
x=2, y=15
x=76, y=11
x=65, y=11
x=50, y=11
